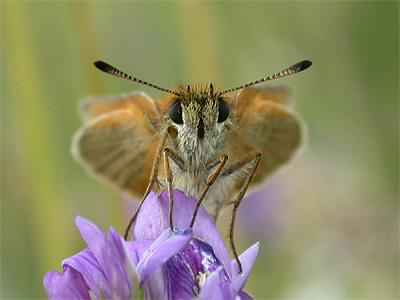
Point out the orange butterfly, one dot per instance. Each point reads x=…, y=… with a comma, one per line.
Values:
x=211, y=143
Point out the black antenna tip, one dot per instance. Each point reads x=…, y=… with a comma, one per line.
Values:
x=305, y=64
x=101, y=65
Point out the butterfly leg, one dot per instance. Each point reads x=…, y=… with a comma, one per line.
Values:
x=219, y=160
x=153, y=179
x=251, y=161
x=168, y=153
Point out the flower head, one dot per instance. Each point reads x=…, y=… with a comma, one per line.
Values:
x=164, y=264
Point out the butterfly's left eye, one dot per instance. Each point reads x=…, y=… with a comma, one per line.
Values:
x=223, y=111
x=175, y=112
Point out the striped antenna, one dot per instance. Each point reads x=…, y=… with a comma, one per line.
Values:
x=300, y=66
x=105, y=67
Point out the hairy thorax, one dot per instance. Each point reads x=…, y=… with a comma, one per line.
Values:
x=199, y=164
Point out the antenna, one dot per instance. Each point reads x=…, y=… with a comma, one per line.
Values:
x=105, y=67
x=300, y=66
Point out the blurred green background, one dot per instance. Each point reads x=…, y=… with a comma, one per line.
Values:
x=328, y=224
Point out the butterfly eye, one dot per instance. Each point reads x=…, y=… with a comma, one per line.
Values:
x=175, y=112
x=223, y=111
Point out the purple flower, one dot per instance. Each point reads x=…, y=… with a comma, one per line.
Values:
x=164, y=264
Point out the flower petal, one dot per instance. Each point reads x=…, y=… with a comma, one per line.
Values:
x=217, y=286
x=242, y=295
x=108, y=260
x=150, y=223
x=153, y=219
x=168, y=244
x=156, y=285
x=204, y=227
x=87, y=265
x=247, y=259
x=189, y=267
x=69, y=285
x=181, y=278
x=121, y=250
x=137, y=249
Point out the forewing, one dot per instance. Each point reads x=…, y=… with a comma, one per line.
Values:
x=118, y=141
x=268, y=124
x=94, y=106
x=245, y=97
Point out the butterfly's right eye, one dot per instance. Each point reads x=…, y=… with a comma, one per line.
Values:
x=175, y=112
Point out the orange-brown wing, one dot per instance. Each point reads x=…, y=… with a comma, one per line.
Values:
x=118, y=141
x=265, y=122
x=94, y=106
x=245, y=97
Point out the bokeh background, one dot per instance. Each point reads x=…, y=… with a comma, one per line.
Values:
x=328, y=224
